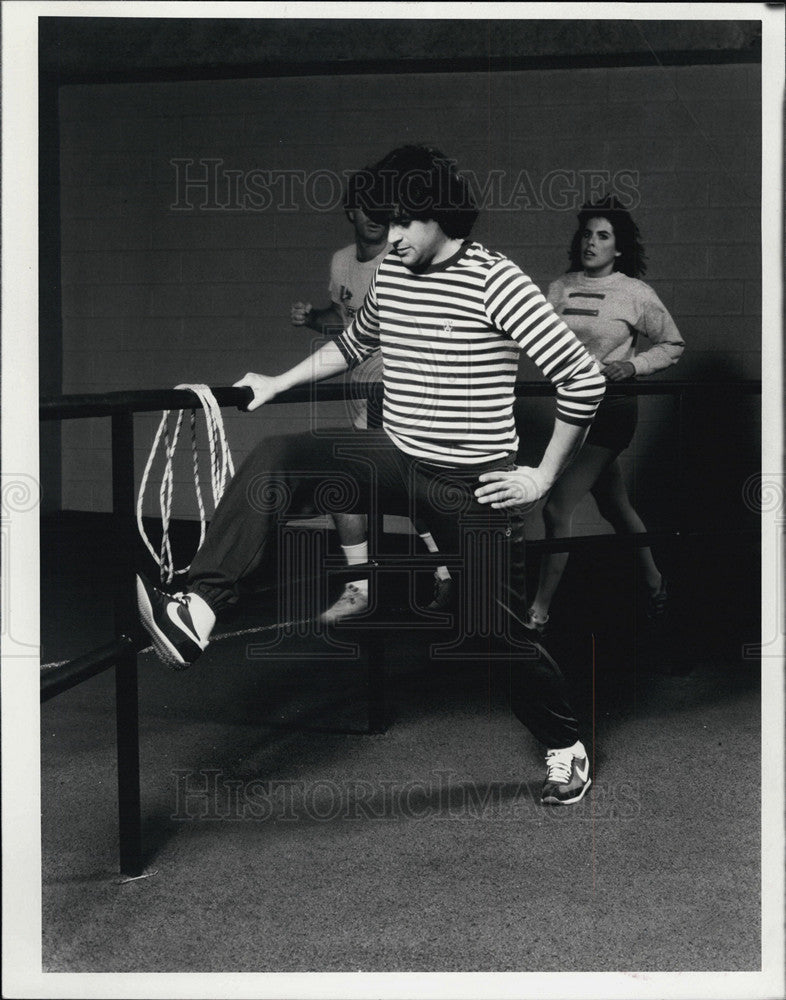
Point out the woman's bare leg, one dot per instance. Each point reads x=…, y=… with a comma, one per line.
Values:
x=611, y=496
x=572, y=486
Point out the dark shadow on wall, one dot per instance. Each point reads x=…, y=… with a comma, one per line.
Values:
x=721, y=453
x=696, y=470
x=50, y=347
x=693, y=457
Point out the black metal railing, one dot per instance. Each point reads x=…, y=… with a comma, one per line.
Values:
x=122, y=651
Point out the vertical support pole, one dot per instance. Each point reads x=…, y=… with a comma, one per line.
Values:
x=682, y=464
x=376, y=679
x=682, y=655
x=126, y=688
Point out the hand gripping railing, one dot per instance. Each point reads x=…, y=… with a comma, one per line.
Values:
x=121, y=652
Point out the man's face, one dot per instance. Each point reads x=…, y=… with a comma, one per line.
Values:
x=366, y=230
x=416, y=241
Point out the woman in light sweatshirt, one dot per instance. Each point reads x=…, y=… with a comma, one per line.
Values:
x=608, y=308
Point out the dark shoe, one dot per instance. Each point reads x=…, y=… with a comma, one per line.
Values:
x=567, y=776
x=167, y=620
x=444, y=595
x=657, y=604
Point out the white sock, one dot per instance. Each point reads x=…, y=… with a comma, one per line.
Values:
x=428, y=541
x=202, y=615
x=356, y=554
x=441, y=572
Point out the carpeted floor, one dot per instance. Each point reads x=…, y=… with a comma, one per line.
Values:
x=282, y=849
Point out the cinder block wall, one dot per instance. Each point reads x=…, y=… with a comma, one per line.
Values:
x=161, y=285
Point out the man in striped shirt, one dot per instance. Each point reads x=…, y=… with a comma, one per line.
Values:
x=450, y=318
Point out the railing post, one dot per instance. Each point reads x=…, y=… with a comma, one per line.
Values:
x=121, y=407
x=126, y=688
x=376, y=680
x=684, y=523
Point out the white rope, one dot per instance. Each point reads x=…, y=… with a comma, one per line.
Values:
x=221, y=471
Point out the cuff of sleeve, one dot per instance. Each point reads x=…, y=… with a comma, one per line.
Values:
x=350, y=358
x=568, y=418
x=640, y=366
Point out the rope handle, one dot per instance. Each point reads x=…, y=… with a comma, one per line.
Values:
x=221, y=471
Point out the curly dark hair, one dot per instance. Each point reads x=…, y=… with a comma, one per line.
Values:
x=632, y=260
x=418, y=182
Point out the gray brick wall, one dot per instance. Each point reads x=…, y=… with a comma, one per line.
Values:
x=155, y=295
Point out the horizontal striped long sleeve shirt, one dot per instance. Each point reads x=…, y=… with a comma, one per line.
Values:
x=450, y=338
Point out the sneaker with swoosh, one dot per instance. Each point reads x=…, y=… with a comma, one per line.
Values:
x=567, y=776
x=168, y=622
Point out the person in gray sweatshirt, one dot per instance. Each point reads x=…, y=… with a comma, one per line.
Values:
x=607, y=305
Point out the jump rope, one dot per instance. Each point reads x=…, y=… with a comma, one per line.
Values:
x=221, y=471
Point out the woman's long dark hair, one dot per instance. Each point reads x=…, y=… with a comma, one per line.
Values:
x=632, y=260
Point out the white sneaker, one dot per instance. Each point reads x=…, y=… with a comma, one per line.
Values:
x=567, y=776
x=353, y=601
x=168, y=621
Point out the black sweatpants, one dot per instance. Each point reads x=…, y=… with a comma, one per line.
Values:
x=363, y=472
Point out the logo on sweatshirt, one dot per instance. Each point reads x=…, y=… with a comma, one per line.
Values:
x=345, y=294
